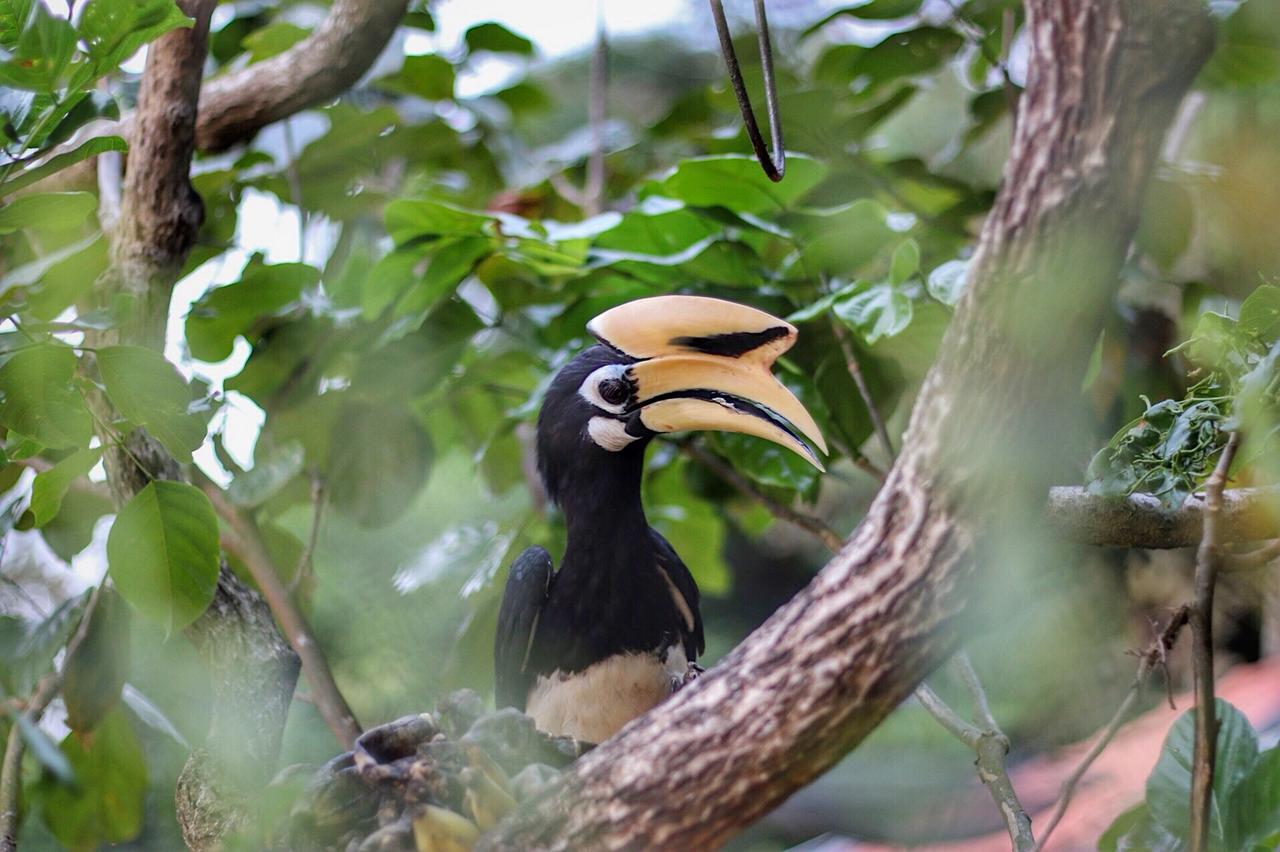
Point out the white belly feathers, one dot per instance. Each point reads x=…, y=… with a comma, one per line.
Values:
x=593, y=704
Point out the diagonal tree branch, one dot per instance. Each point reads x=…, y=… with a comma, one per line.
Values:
x=826, y=668
x=1247, y=514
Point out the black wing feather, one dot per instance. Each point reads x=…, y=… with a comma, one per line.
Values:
x=527, y=587
x=670, y=561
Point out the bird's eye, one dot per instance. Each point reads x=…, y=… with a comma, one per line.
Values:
x=614, y=391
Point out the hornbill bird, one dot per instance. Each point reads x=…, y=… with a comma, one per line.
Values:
x=585, y=649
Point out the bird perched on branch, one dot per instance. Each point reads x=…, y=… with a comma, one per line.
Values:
x=585, y=649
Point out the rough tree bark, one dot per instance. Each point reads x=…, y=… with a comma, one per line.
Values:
x=1105, y=78
x=252, y=669
x=1248, y=514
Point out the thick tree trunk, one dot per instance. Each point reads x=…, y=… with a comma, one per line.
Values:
x=252, y=669
x=1105, y=78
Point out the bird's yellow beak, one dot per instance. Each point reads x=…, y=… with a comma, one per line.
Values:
x=705, y=364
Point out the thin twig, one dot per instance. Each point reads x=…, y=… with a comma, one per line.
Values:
x=806, y=522
x=1151, y=659
x=245, y=540
x=598, y=82
x=11, y=770
x=1208, y=560
x=990, y=745
x=855, y=372
x=305, y=559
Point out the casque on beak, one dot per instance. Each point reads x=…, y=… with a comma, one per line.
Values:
x=705, y=363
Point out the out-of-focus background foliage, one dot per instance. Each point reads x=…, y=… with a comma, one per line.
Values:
x=384, y=285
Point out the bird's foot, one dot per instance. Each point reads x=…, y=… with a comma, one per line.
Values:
x=691, y=674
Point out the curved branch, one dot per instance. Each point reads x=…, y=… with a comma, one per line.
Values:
x=1105, y=79
x=1248, y=514
x=320, y=67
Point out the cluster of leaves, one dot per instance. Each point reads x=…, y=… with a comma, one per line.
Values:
x=49, y=70
x=1244, y=809
x=1172, y=448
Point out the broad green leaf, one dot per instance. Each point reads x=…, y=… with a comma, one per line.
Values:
x=946, y=282
x=1254, y=812
x=901, y=54
x=44, y=47
x=162, y=553
x=14, y=15
x=41, y=400
x=94, y=673
x=380, y=459
x=905, y=263
x=106, y=804
x=274, y=38
x=446, y=269
x=34, y=271
x=95, y=104
x=91, y=148
x=1260, y=313
x=876, y=311
x=496, y=38
x=45, y=750
x=429, y=77
x=31, y=656
x=151, y=715
x=150, y=392
x=224, y=313
x=1168, y=220
x=737, y=182
x=50, y=486
x=1136, y=831
x=268, y=475
x=409, y=219
x=71, y=530
x=1169, y=786
x=765, y=462
x=843, y=240
x=873, y=10
x=113, y=30
x=662, y=232
x=46, y=209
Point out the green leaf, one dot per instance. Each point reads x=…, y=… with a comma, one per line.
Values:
x=380, y=460
x=46, y=752
x=71, y=530
x=91, y=148
x=273, y=39
x=946, y=283
x=905, y=263
x=51, y=486
x=40, y=399
x=40, y=56
x=692, y=526
x=34, y=271
x=452, y=263
x=162, y=553
x=95, y=672
x=409, y=219
x=32, y=655
x=150, y=392
x=841, y=240
x=1136, y=831
x=106, y=804
x=46, y=209
x=737, y=182
x=765, y=462
x=876, y=311
x=224, y=313
x=430, y=77
x=1260, y=313
x=1169, y=786
x=496, y=38
x=873, y=10
x=1255, y=803
x=265, y=479
x=14, y=15
x=113, y=30
x=901, y=54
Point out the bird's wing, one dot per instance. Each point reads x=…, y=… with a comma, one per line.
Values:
x=670, y=563
x=522, y=601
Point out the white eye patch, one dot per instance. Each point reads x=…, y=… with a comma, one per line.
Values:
x=612, y=374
